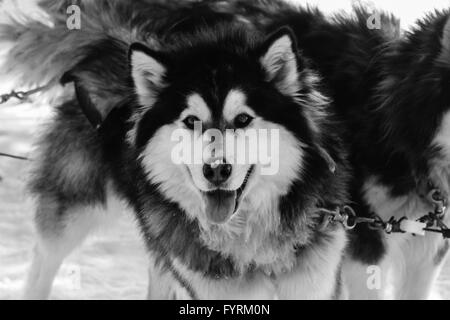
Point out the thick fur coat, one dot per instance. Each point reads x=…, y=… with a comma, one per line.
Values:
x=109, y=140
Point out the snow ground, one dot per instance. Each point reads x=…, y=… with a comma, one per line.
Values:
x=112, y=264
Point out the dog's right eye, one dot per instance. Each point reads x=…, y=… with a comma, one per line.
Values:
x=190, y=121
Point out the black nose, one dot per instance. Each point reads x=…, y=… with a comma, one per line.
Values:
x=217, y=175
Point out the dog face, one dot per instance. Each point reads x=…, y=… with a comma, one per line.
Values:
x=217, y=94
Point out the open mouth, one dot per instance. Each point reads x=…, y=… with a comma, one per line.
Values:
x=221, y=205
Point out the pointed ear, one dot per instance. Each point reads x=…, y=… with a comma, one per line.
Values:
x=99, y=79
x=444, y=57
x=148, y=69
x=279, y=60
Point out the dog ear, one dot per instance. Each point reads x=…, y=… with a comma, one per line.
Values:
x=148, y=70
x=444, y=57
x=279, y=60
x=100, y=80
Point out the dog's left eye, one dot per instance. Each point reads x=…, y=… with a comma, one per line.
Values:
x=242, y=120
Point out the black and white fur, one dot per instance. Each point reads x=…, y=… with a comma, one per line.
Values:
x=409, y=109
x=391, y=89
x=140, y=80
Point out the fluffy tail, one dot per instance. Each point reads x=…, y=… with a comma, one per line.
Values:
x=42, y=48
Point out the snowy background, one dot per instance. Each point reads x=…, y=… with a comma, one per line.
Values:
x=111, y=264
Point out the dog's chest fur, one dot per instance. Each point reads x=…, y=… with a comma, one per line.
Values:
x=252, y=238
x=315, y=276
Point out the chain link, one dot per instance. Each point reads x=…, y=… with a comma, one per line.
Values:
x=20, y=95
x=433, y=220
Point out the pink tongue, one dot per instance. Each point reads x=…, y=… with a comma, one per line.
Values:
x=220, y=205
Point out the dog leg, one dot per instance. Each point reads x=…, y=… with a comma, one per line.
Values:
x=358, y=281
x=418, y=282
x=423, y=261
x=60, y=230
x=43, y=270
x=159, y=283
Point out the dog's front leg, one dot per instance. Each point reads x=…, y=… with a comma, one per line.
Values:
x=423, y=260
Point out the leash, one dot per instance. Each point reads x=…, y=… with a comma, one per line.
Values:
x=432, y=222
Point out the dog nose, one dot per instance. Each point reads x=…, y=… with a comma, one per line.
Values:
x=217, y=174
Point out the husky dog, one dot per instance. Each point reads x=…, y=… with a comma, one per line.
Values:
x=216, y=230
x=391, y=89
x=402, y=156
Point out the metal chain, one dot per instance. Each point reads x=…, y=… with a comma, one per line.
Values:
x=435, y=220
x=432, y=222
x=20, y=95
x=345, y=216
